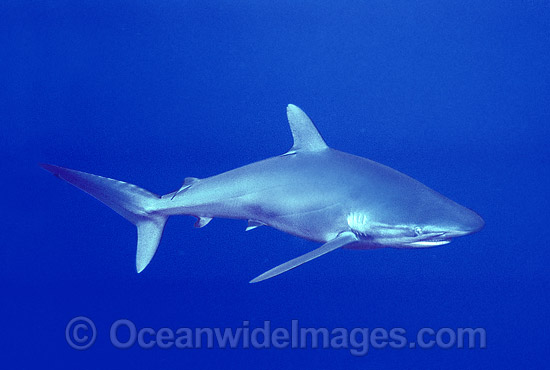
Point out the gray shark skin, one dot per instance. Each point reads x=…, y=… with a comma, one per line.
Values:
x=312, y=191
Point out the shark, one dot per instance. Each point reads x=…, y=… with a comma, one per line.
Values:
x=312, y=191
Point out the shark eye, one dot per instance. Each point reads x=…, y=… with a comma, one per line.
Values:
x=418, y=231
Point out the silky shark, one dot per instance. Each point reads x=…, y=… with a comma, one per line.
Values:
x=312, y=191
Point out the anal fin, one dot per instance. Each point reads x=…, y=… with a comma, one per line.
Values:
x=202, y=221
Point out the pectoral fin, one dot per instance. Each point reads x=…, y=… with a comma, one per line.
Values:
x=341, y=240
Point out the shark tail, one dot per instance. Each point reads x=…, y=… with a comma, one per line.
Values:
x=130, y=201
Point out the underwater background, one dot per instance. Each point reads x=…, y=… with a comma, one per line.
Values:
x=454, y=94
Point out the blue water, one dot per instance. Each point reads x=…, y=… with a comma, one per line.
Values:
x=454, y=95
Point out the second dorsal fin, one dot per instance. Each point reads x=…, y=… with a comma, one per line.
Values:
x=305, y=134
x=186, y=184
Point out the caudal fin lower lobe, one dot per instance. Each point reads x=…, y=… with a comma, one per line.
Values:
x=130, y=201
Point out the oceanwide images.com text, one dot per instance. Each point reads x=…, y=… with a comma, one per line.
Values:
x=81, y=333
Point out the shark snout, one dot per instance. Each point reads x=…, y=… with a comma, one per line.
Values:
x=470, y=223
x=474, y=224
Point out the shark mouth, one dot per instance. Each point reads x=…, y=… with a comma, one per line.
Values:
x=430, y=243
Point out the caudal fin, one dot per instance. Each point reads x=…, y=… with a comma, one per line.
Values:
x=130, y=201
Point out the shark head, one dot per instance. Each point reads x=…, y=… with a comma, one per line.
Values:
x=415, y=229
x=450, y=221
x=420, y=218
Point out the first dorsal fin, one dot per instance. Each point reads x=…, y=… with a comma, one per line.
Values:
x=306, y=136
